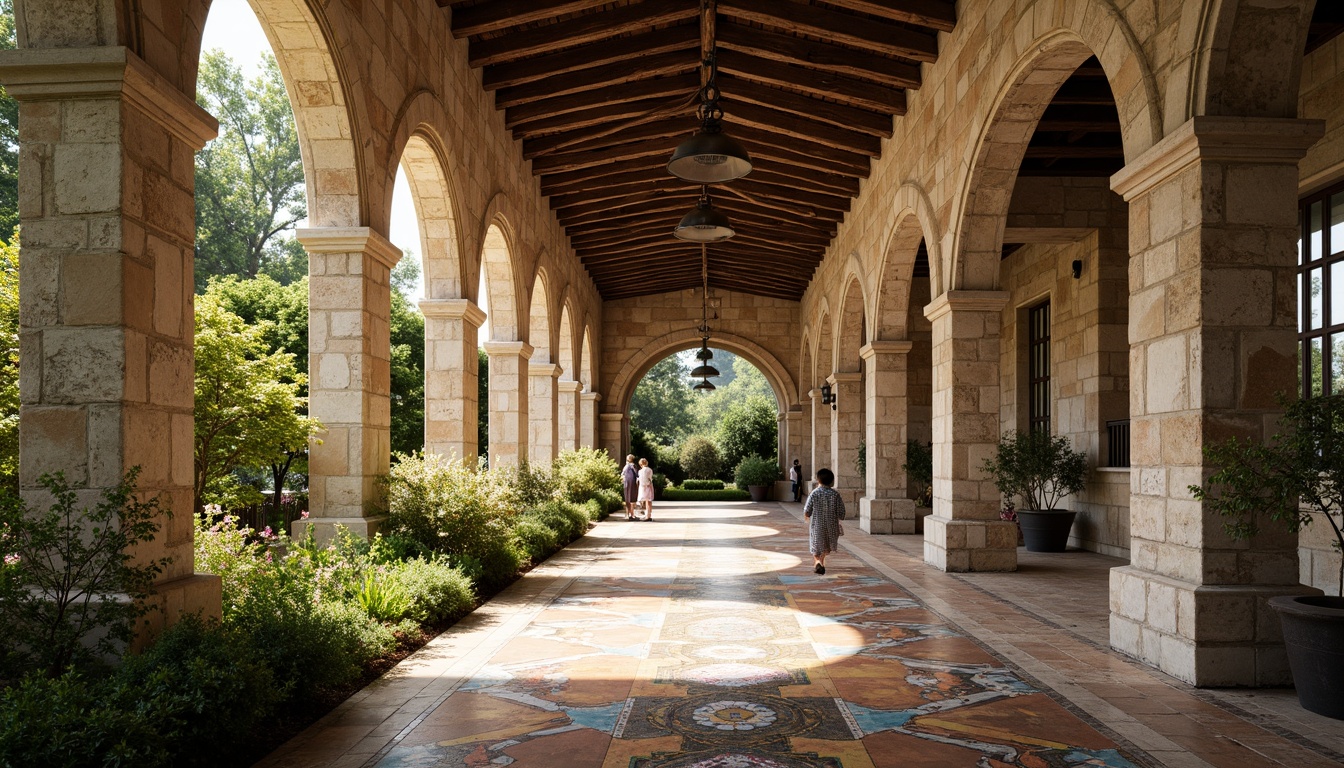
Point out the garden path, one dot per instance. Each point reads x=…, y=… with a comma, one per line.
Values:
x=704, y=640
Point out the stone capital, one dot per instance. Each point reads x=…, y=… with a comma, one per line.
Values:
x=508, y=348
x=453, y=309
x=543, y=369
x=793, y=415
x=104, y=72
x=349, y=240
x=604, y=416
x=844, y=377
x=568, y=386
x=1213, y=138
x=872, y=349
x=590, y=396
x=814, y=395
x=966, y=301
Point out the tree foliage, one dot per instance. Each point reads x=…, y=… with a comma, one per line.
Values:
x=9, y=134
x=662, y=401
x=408, y=375
x=248, y=407
x=9, y=364
x=700, y=458
x=483, y=404
x=249, y=181
x=748, y=427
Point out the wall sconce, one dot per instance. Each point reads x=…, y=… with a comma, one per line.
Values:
x=1077, y=268
x=827, y=396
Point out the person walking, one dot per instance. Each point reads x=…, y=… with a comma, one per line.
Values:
x=823, y=512
x=630, y=485
x=796, y=475
x=646, y=488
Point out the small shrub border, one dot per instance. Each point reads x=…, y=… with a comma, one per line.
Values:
x=702, y=485
x=727, y=494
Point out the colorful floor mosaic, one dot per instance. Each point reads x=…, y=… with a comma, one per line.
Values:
x=725, y=651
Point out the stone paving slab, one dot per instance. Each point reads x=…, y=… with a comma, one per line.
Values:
x=705, y=641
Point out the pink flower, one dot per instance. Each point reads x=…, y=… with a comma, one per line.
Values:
x=266, y=532
x=11, y=559
x=305, y=514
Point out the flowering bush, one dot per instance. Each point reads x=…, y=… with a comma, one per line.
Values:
x=580, y=474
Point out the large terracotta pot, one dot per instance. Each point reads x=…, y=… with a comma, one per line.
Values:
x=1046, y=530
x=1313, y=633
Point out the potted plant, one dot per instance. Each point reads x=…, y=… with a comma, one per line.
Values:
x=756, y=475
x=1042, y=469
x=1298, y=476
x=919, y=465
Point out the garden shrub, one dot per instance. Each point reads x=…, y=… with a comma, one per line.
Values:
x=728, y=494
x=579, y=474
x=439, y=591
x=594, y=510
x=612, y=501
x=72, y=721
x=700, y=458
x=382, y=597
x=754, y=470
x=702, y=485
x=667, y=460
x=536, y=539
x=567, y=519
x=450, y=508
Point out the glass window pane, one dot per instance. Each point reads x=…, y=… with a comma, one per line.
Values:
x=1314, y=310
x=1301, y=216
x=1317, y=367
x=1301, y=308
x=1336, y=293
x=1314, y=229
x=1337, y=365
x=1337, y=222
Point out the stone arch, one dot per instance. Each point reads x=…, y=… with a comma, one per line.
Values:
x=501, y=289
x=1036, y=72
x=586, y=358
x=623, y=387
x=824, y=361
x=851, y=327
x=565, y=346
x=806, y=375
x=424, y=157
x=912, y=222
x=539, y=320
x=1215, y=82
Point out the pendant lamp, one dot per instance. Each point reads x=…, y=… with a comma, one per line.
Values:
x=704, y=223
x=710, y=156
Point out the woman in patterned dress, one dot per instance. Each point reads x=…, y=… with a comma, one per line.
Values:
x=823, y=512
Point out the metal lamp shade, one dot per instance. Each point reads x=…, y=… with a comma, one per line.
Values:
x=704, y=353
x=705, y=371
x=709, y=157
x=704, y=386
x=704, y=224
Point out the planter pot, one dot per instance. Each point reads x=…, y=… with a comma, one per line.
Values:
x=759, y=492
x=1313, y=633
x=1045, y=530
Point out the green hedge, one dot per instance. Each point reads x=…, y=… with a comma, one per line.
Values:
x=682, y=494
x=702, y=485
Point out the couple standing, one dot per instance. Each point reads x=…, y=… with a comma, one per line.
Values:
x=638, y=487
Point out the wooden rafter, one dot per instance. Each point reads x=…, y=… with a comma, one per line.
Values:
x=588, y=28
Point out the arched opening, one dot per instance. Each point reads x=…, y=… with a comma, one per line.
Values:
x=587, y=397
x=821, y=413
x=503, y=357
x=849, y=449
x=568, y=385
x=543, y=426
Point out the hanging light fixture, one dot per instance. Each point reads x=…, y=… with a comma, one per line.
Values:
x=710, y=156
x=704, y=223
x=705, y=386
x=705, y=371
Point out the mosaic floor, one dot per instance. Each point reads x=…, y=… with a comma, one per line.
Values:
x=705, y=641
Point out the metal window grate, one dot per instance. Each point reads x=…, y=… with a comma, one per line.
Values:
x=1117, y=443
x=1038, y=367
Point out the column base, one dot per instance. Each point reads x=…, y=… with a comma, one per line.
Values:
x=960, y=546
x=324, y=528
x=851, y=497
x=883, y=516
x=199, y=593
x=1210, y=636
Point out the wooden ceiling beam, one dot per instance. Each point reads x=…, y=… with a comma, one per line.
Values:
x=651, y=245
x=764, y=171
x=604, y=77
x=787, y=49
x=502, y=14
x=600, y=117
x=642, y=198
x=879, y=37
x=588, y=28
x=679, y=38
x=934, y=14
x=851, y=91
x=656, y=88
x=601, y=218
x=573, y=161
x=804, y=129
x=839, y=115
x=670, y=130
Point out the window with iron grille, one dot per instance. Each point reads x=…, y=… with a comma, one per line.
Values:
x=1038, y=367
x=1320, y=293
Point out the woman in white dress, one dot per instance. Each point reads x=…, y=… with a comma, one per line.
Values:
x=646, y=488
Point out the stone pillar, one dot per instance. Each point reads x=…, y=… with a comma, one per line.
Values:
x=795, y=441
x=611, y=435
x=781, y=436
x=569, y=413
x=350, y=375
x=543, y=428
x=452, y=366
x=964, y=533
x=106, y=327
x=821, y=437
x=508, y=401
x=885, y=507
x=846, y=433
x=1213, y=231
x=588, y=419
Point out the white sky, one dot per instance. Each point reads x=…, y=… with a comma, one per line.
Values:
x=233, y=27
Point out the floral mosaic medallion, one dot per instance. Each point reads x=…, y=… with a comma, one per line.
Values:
x=734, y=716
x=735, y=675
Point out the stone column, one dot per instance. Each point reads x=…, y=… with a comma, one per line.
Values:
x=611, y=435
x=1212, y=328
x=350, y=375
x=964, y=533
x=821, y=437
x=106, y=327
x=452, y=367
x=508, y=401
x=588, y=419
x=846, y=433
x=569, y=413
x=885, y=507
x=793, y=443
x=543, y=428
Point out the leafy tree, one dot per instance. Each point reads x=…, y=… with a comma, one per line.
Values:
x=748, y=427
x=249, y=181
x=408, y=375
x=661, y=404
x=248, y=407
x=741, y=381
x=406, y=275
x=280, y=311
x=9, y=363
x=483, y=404
x=700, y=458
x=9, y=133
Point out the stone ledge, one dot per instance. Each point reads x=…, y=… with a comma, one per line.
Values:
x=453, y=309
x=349, y=240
